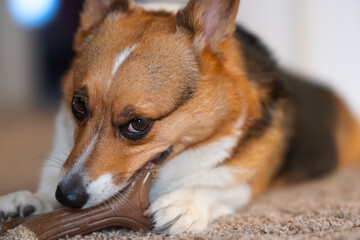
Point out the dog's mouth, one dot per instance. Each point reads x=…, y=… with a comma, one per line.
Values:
x=160, y=157
x=157, y=160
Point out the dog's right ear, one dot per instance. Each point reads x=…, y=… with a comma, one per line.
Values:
x=94, y=11
x=208, y=21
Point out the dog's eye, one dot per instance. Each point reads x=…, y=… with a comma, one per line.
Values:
x=79, y=108
x=138, y=125
x=136, y=128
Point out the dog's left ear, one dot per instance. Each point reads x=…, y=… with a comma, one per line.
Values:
x=209, y=21
x=94, y=11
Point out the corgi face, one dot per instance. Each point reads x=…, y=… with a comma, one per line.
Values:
x=140, y=90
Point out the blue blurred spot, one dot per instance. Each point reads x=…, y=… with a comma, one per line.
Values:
x=33, y=13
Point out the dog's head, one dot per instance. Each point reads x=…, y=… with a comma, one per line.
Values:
x=145, y=85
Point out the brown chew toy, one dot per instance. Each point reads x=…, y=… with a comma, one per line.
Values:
x=125, y=212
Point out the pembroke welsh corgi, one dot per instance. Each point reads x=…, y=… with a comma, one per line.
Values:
x=189, y=90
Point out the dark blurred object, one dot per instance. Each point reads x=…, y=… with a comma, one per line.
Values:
x=56, y=51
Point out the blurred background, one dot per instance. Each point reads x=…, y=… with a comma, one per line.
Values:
x=315, y=38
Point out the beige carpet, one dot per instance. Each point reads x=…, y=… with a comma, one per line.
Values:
x=325, y=209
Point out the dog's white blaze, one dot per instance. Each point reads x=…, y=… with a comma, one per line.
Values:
x=118, y=61
x=87, y=152
x=240, y=122
x=169, y=7
x=196, y=167
x=101, y=189
x=77, y=168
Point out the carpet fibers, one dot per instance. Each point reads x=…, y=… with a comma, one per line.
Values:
x=324, y=209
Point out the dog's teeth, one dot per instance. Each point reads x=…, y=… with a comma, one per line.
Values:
x=147, y=212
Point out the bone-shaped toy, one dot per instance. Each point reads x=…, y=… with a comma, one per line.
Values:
x=126, y=212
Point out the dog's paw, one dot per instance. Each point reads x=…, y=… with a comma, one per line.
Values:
x=184, y=210
x=19, y=204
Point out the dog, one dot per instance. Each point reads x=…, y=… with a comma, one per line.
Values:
x=189, y=90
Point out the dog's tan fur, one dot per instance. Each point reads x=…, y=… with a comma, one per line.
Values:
x=154, y=93
x=175, y=53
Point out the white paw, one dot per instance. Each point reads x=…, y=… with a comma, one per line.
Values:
x=184, y=210
x=20, y=204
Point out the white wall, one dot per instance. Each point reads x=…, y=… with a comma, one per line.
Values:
x=317, y=38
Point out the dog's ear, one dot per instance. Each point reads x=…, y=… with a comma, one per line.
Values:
x=93, y=13
x=209, y=21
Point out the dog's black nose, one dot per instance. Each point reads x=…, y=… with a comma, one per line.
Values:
x=72, y=193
